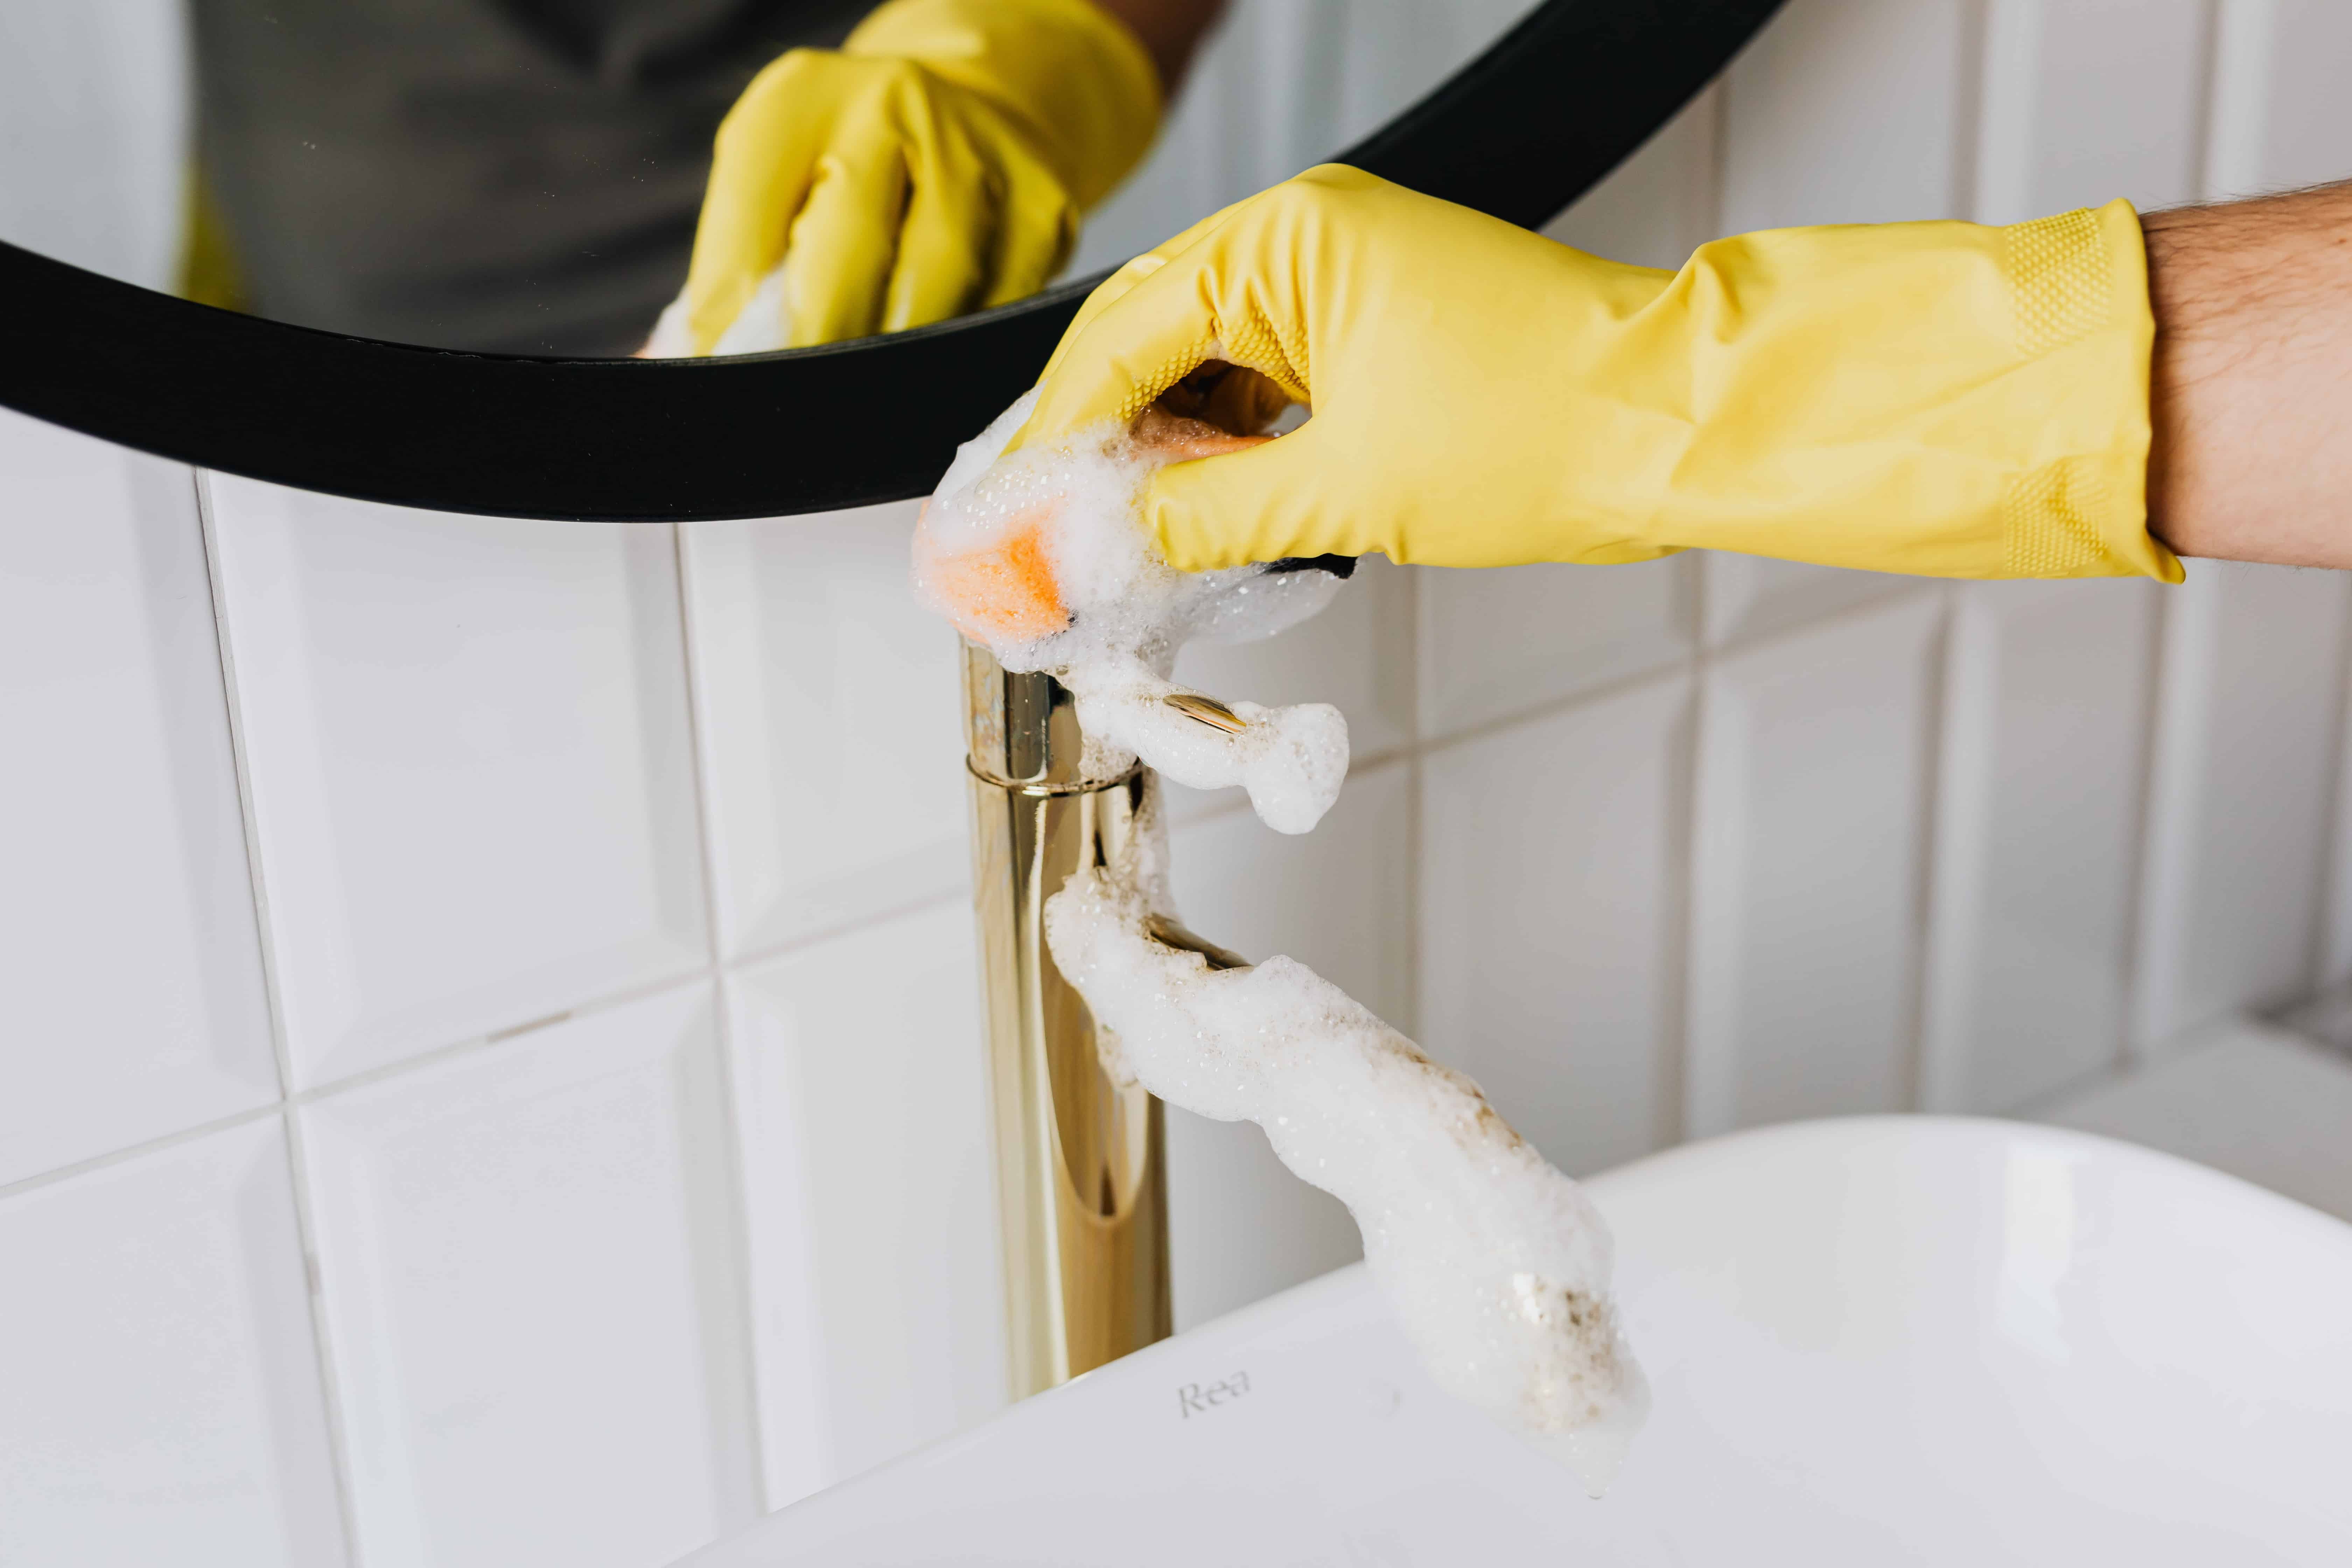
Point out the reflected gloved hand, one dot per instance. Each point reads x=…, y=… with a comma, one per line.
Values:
x=1938, y=398
x=936, y=164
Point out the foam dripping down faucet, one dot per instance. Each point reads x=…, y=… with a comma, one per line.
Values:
x=1494, y=1262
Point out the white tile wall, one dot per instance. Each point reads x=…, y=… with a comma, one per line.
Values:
x=533, y=1293
x=1811, y=800
x=2087, y=101
x=128, y=949
x=1849, y=111
x=470, y=767
x=1746, y=595
x=593, y=1017
x=159, y=1392
x=1552, y=873
x=1498, y=643
x=871, y=1198
x=831, y=724
x=2238, y=833
x=2037, y=815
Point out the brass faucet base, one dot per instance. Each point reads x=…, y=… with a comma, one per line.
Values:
x=1081, y=1181
x=1082, y=1184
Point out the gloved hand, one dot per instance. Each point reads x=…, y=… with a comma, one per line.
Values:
x=936, y=164
x=1937, y=398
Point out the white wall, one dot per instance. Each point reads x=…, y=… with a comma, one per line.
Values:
x=490, y=1064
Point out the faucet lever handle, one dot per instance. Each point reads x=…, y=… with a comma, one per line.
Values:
x=1168, y=934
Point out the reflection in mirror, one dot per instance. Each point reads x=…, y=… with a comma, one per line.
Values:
x=526, y=176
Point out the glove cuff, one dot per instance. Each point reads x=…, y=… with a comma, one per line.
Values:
x=2079, y=284
x=1074, y=78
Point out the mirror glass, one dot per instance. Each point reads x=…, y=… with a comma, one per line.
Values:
x=524, y=176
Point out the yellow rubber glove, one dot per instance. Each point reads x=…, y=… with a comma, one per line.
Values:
x=936, y=164
x=1937, y=398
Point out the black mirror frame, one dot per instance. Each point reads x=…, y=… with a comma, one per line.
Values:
x=1519, y=133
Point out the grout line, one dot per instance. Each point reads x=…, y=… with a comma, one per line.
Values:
x=2049, y=1099
x=114, y=1157
x=2205, y=116
x=1416, y=797
x=1717, y=195
x=1667, y=670
x=731, y=1132
x=1703, y=201
x=357, y=1080
x=248, y=816
x=1934, y=717
x=2141, y=827
x=306, y=1227
x=1673, y=1071
x=1671, y=666
x=2181, y=701
x=2037, y=1106
x=708, y=974
x=2207, y=130
x=367, y=1078
x=754, y=957
x=2323, y=940
x=1670, y=1124
x=1973, y=69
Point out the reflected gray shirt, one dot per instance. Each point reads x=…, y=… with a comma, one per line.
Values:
x=506, y=176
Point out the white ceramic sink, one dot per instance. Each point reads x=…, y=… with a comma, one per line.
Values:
x=1879, y=1341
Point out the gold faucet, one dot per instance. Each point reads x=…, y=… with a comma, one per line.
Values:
x=1081, y=1177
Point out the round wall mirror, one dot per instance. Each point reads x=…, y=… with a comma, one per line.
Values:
x=417, y=250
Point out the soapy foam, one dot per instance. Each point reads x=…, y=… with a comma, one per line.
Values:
x=1043, y=557
x=1496, y=1264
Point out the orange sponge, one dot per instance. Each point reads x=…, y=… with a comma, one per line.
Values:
x=1006, y=591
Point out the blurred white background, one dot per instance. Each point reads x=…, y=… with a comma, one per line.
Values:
x=490, y=1067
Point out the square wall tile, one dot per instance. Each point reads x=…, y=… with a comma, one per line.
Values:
x=1356, y=655
x=162, y=1399
x=1847, y=111
x=1240, y=1225
x=471, y=768
x=1553, y=871
x=1339, y=900
x=2084, y=103
x=1498, y=641
x=2045, y=750
x=1806, y=858
x=830, y=709
x=2240, y=798
x=129, y=953
x=1754, y=595
x=527, y=1258
x=877, y=1288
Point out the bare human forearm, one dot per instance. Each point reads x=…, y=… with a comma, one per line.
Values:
x=1170, y=31
x=2252, y=395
